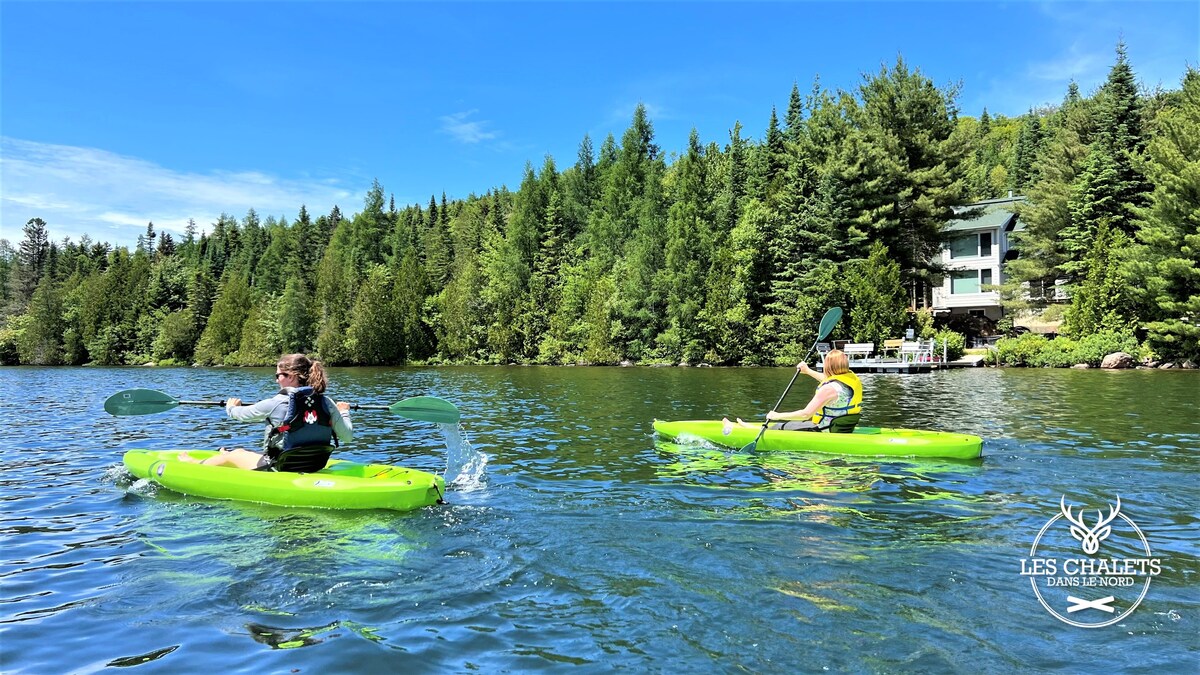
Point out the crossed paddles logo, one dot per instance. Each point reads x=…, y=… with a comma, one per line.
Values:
x=1100, y=587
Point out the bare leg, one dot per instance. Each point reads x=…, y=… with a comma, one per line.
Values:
x=239, y=457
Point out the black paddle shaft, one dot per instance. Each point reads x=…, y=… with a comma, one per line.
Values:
x=832, y=316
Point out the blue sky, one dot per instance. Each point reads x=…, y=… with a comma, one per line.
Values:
x=113, y=114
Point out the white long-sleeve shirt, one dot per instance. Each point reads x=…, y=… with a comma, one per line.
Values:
x=274, y=410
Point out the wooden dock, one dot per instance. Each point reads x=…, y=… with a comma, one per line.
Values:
x=886, y=365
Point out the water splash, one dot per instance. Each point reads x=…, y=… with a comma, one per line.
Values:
x=465, y=466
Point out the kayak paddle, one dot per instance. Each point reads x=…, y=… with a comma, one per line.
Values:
x=148, y=401
x=145, y=402
x=832, y=316
x=420, y=408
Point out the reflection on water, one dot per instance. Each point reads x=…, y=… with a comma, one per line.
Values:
x=571, y=536
x=291, y=638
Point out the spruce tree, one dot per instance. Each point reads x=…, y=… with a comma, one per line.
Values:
x=876, y=296
x=1118, y=119
x=1166, y=259
x=688, y=254
x=1094, y=200
x=1099, y=303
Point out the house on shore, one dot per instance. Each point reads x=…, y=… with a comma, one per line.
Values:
x=974, y=257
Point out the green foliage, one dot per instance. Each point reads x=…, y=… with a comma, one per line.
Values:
x=223, y=333
x=177, y=336
x=950, y=343
x=877, y=300
x=1023, y=350
x=1036, y=351
x=728, y=254
x=922, y=320
x=40, y=343
x=10, y=337
x=372, y=335
x=1099, y=302
x=1166, y=258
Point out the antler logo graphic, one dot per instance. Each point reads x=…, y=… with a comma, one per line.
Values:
x=1090, y=536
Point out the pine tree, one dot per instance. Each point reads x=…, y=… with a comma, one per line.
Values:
x=223, y=333
x=795, y=117
x=909, y=171
x=1119, y=133
x=876, y=296
x=1048, y=211
x=1098, y=303
x=1022, y=172
x=41, y=343
x=776, y=157
x=580, y=191
x=296, y=323
x=32, y=255
x=1166, y=260
x=375, y=323
x=1094, y=201
x=688, y=255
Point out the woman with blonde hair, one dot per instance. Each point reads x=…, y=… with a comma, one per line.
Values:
x=835, y=406
x=303, y=424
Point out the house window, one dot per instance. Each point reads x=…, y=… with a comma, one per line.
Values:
x=971, y=245
x=962, y=247
x=964, y=281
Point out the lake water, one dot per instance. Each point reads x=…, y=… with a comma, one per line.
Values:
x=583, y=544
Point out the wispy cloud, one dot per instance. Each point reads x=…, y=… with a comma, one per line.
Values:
x=621, y=113
x=467, y=131
x=112, y=197
x=1077, y=63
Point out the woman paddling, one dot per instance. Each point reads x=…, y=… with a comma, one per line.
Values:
x=303, y=424
x=836, y=404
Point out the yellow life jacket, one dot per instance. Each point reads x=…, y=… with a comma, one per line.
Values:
x=848, y=401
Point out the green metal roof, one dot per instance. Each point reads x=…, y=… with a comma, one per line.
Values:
x=996, y=213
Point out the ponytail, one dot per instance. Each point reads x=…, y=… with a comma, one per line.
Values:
x=311, y=373
x=316, y=377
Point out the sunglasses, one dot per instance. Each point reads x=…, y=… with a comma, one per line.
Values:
x=279, y=375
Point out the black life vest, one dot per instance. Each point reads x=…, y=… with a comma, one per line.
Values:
x=304, y=441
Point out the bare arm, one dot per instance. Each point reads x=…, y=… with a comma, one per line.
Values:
x=822, y=396
x=803, y=367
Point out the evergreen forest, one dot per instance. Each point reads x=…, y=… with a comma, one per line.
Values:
x=725, y=251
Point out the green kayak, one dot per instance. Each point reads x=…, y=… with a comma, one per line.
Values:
x=864, y=440
x=340, y=485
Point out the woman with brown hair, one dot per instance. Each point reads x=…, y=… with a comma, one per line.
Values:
x=303, y=424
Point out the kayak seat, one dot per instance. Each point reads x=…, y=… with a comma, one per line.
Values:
x=844, y=424
x=301, y=459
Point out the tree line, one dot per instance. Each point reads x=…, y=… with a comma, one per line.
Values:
x=722, y=253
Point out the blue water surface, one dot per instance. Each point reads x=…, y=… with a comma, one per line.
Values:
x=582, y=543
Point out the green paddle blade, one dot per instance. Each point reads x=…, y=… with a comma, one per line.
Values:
x=427, y=409
x=831, y=319
x=138, y=402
